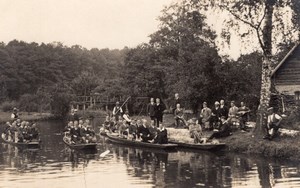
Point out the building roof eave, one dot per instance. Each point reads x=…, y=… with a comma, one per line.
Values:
x=284, y=59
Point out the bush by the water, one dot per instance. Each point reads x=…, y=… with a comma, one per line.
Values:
x=8, y=106
x=293, y=120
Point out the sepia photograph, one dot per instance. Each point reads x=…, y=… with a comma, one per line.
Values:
x=149, y=93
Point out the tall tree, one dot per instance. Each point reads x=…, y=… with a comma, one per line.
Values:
x=185, y=46
x=263, y=18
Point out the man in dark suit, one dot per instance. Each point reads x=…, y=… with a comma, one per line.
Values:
x=159, y=111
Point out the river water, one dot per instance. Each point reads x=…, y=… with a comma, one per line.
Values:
x=55, y=165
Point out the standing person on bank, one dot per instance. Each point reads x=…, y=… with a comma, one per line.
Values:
x=159, y=111
x=151, y=109
x=117, y=111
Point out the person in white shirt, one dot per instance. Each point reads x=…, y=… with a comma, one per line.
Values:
x=15, y=114
x=117, y=111
x=273, y=123
x=126, y=117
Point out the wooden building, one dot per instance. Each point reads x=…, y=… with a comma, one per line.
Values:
x=286, y=75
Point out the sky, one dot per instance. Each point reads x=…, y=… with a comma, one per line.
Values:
x=89, y=23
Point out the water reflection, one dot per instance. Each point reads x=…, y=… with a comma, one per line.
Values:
x=56, y=165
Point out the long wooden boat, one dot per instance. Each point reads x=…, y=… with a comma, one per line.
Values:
x=119, y=140
x=88, y=146
x=206, y=146
x=32, y=144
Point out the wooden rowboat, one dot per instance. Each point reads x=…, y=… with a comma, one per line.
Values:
x=124, y=141
x=206, y=146
x=32, y=144
x=88, y=146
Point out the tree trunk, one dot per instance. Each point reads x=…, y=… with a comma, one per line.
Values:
x=265, y=92
x=265, y=96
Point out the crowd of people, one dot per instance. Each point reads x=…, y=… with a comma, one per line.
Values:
x=219, y=119
x=20, y=131
x=78, y=130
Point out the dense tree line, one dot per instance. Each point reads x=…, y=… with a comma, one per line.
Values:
x=40, y=75
x=181, y=57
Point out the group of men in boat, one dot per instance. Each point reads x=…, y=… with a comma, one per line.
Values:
x=135, y=129
x=78, y=130
x=20, y=131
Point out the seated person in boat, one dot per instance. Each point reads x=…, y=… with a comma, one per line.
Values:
x=127, y=117
x=195, y=130
x=90, y=135
x=75, y=133
x=144, y=132
x=106, y=123
x=84, y=132
x=24, y=132
x=178, y=115
x=80, y=122
x=123, y=129
x=18, y=121
x=33, y=133
x=132, y=130
x=223, y=131
x=161, y=136
x=138, y=125
x=68, y=128
x=152, y=129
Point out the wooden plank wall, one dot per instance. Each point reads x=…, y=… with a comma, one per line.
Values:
x=287, y=76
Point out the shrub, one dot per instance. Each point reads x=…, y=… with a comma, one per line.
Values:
x=7, y=106
x=28, y=103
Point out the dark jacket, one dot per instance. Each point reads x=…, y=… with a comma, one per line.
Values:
x=143, y=130
x=224, y=112
x=162, y=137
x=151, y=109
x=159, y=110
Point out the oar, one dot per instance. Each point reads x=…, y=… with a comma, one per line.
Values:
x=123, y=104
x=104, y=153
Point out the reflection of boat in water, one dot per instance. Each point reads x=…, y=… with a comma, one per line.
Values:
x=119, y=140
x=31, y=144
x=87, y=146
x=206, y=146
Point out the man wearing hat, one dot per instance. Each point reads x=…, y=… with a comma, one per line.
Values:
x=15, y=114
x=273, y=123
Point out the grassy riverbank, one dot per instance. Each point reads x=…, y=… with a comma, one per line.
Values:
x=246, y=142
x=286, y=146
x=34, y=116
